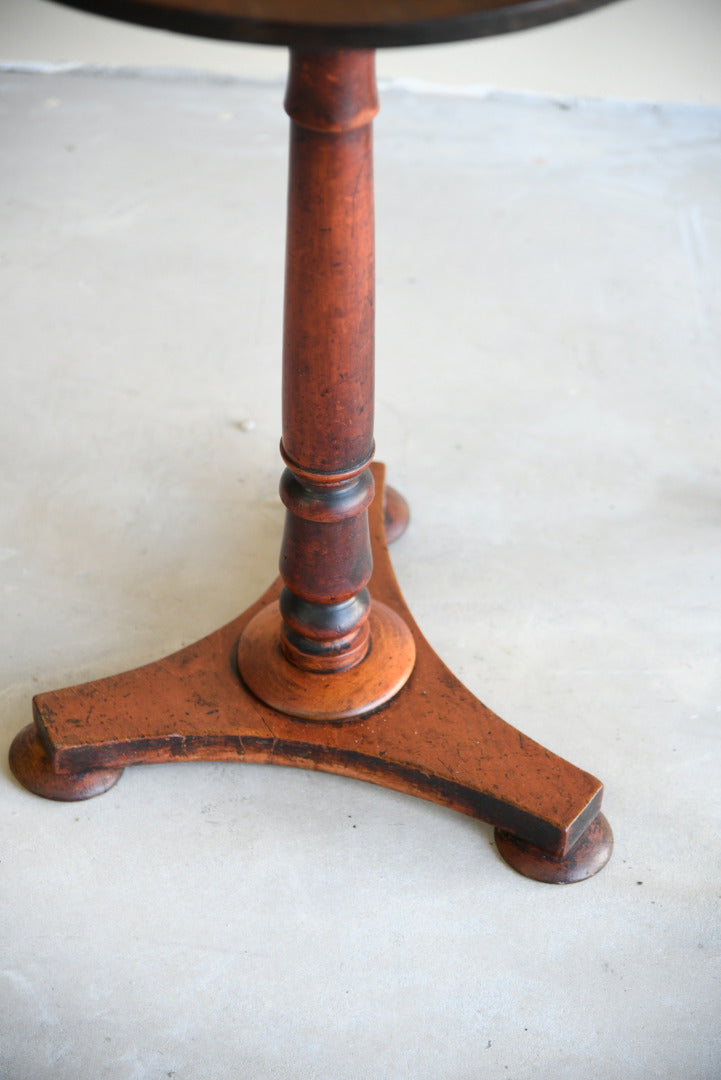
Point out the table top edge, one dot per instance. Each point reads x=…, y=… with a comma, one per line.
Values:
x=507, y=17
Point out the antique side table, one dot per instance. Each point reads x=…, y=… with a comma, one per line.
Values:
x=327, y=670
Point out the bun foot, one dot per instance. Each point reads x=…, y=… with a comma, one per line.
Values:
x=33, y=768
x=589, y=855
x=396, y=514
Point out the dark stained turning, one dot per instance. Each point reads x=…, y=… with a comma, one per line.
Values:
x=364, y=24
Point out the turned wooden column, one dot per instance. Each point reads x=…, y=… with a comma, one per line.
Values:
x=328, y=356
x=324, y=623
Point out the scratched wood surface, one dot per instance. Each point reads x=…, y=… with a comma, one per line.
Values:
x=434, y=740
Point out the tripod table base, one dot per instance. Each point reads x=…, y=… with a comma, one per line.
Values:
x=433, y=739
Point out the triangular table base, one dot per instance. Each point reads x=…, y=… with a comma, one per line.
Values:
x=434, y=739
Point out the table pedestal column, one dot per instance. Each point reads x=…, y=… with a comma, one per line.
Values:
x=326, y=651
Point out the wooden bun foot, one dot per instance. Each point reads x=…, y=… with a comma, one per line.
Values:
x=311, y=695
x=396, y=514
x=33, y=768
x=589, y=855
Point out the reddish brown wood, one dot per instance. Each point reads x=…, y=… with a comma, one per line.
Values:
x=314, y=695
x=364, y=24
x=589, y=855
x=324, y=623
x=397, y=514
x=328, y=361
x=32, y=766
x=434, y=739
x=316, y=634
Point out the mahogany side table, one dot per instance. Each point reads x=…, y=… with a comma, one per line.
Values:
x=328, y=670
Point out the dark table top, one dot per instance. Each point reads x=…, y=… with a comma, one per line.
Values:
x=339, y=23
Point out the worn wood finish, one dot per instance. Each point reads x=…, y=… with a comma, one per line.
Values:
x=589, y=855
x=324, y=622
x=434, y=739
x=32, y=766
x=363, y=24
x=316, y=695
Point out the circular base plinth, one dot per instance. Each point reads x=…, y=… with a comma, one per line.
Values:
x=31, y=766
x=341, y=695
x=396, y=514
x=585, y=859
